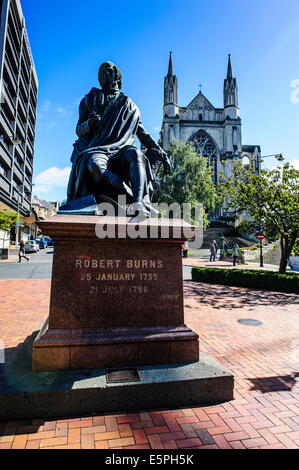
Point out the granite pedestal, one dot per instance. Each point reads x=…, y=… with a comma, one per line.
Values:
x=25, y=394
x=115, y=301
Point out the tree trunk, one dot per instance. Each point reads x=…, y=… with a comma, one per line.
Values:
x=284, y=255
x=286, y=244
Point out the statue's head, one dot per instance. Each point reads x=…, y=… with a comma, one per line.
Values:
x=110, y=77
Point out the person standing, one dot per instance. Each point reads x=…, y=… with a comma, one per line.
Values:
x=216, y=249
x=22, y=252
x=235, y=253
x=185, y=248
x=225, y=248
x=213, y=251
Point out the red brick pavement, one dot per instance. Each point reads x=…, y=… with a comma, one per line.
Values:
x=264, y=359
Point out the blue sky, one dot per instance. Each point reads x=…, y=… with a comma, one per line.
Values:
x=71, y=38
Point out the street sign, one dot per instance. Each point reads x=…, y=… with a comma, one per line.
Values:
x=18, y=224
x=260, y=236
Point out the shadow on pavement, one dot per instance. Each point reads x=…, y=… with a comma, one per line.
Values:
x=280, y=383
x=220, y=297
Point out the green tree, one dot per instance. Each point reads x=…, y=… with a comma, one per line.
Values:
x=295, y=250
x=271, y=199
x=190, y=180
x=7, y=220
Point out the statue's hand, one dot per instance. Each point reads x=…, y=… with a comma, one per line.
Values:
x=94, y=120
x=161, y=156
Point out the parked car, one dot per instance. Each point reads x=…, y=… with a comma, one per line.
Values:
x=31, y=246
x=42, y=243
x=49, y=241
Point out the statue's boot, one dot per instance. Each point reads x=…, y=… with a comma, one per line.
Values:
x=141, y=203
x=137, y=178
x=153, y=212
x=138, y=209
x=117, y=184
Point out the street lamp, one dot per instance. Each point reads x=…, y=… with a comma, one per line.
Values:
x=278, y=156
x=261, y=237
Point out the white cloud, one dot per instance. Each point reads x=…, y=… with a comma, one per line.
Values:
x=52, y=183
x=64, y=111
x=46, y=106
x=295, y=163
x=53, y=176
x=49, y=111
x=41, y=189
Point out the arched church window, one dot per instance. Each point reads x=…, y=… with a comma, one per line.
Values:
x=246, y=161
x=206, y=147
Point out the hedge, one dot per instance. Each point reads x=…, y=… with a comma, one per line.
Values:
x=258, y=279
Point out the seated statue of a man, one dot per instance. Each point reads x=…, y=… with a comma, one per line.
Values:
x=105, y=159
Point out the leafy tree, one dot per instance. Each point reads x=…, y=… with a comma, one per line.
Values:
x=295, y=250
x=245, y=226
x=271, y=199
x=190, y=180
x=7, y=220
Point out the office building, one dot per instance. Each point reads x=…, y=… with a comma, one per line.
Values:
x=19, y=87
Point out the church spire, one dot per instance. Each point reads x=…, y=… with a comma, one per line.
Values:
x=230, y=87
x=170, y=65
x=170, y=85
x=229, y=69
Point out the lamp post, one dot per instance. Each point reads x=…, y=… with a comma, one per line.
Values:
x=277, y=155
x=261, y=237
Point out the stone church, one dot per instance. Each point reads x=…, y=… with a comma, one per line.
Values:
x=216, y=132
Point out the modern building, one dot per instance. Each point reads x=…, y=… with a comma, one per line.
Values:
x=18, y=87
x=216, y=132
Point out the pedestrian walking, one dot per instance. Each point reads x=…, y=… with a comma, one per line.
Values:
x=213, y=251
x=235, y=253
x=225, y=248
x=22, y=252
x=185, y=248
x=216, y=249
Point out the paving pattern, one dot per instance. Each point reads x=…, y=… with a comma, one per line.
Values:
x=264, y=360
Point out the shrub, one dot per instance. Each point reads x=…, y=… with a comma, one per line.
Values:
x=258, y=279
x=295, y=250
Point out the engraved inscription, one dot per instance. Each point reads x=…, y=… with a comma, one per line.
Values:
x=100, y=273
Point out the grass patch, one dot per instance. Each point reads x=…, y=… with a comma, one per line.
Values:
x=257, y=279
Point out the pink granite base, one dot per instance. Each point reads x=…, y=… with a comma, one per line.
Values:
x=114, y=301
x=111, y=347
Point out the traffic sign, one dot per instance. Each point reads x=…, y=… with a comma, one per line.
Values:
x=260, y=236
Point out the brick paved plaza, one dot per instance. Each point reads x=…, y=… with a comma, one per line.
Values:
x=264, y=360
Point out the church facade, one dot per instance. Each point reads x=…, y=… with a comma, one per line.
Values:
x=216, y=132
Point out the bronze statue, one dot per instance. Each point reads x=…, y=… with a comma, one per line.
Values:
x=105, y=159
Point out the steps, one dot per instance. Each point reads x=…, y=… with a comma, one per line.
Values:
x=217, y=229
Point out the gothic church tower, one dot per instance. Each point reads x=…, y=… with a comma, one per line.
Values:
x=215, y=132
x=230, y=93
